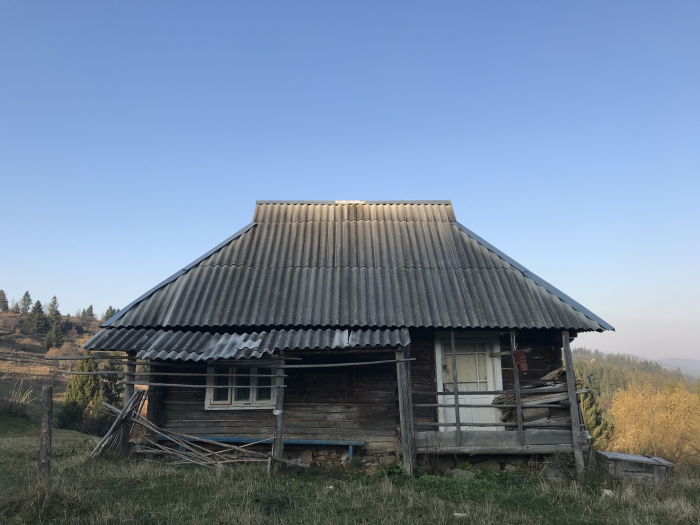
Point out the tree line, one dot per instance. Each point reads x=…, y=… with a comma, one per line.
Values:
x=46, y=321
x=638, y=407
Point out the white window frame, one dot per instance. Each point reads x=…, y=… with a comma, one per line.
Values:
x=231, y=403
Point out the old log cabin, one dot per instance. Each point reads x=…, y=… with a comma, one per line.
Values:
x=378, y=328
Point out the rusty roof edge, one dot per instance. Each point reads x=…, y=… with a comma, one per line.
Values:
x=177, y=274
x=536, y=278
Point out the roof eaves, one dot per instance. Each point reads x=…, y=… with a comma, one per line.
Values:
x=536, y=278
x=177, y=274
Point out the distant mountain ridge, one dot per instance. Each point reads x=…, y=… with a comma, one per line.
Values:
x=689, y=367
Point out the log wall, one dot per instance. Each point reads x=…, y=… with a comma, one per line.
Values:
x=347, y=403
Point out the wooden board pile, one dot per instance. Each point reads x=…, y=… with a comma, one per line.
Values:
x=121, y=425
x=191, y=449
x=556, y=404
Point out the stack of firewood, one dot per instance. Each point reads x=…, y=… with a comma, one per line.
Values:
x=539, y=407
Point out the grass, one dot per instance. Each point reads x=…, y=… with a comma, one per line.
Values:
x=140, y=491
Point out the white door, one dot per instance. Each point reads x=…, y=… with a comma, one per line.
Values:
x=476, y=371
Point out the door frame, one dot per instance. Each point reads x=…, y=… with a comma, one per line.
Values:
x=495, y=381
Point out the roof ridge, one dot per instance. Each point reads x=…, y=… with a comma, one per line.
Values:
x=344, y=202
x=362, y=266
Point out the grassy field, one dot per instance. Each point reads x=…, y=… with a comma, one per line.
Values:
x=141, y=491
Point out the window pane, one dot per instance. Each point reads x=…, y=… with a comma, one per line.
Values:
x=221, y=394
x=466, y=367
x=264, y=392
x=463, y=348
x=483, y=370
x=242, y=394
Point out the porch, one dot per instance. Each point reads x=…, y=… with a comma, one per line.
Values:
x=497, y=435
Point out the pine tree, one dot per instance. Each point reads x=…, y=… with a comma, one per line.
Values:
x=36, y=321
x=53, y=311
x=25, y=304
x=4, y=306
x=89, y=313
x=55, y=336
x=14, y=307
x=109, y=313
x=87, y=391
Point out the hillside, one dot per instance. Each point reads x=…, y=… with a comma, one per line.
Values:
x=609, y=375
x=689, y=367
x=21, y=355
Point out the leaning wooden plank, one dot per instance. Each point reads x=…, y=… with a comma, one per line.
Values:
x=190, y=438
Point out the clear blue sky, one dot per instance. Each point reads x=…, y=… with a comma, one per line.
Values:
x=135, y=136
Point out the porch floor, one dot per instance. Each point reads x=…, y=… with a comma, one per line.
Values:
x=495, y=442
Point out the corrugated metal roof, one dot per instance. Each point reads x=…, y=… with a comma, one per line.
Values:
x=353, y=264
x=203, y=346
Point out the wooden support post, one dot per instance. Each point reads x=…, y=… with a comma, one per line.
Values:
x=455, y=389
x=408, y=436
x=516, y=380
x=573, y=406
x=128, y=393
x=277, y=444
x=46, y=427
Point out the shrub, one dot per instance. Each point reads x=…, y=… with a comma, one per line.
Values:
x=16, y=405
x=85, y=395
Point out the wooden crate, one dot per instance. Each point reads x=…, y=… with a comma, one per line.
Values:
x=649, y=470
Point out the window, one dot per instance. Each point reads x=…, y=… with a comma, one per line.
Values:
x=472, y=369
x=236, y=387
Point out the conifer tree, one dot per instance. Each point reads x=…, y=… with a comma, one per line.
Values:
x=55, y=336
x=89, y=313
x=25, y=304
x=53, y=312
x=36, y=321
x=89, y=390
x=14, y=307
x=4, y=306
x=109, y=313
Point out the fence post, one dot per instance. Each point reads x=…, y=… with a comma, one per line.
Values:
x=278, y=443
x=455, y=389
x=128, y=393
x=403, y=380
x=46, y=426
x=573, y=406
x=518, y=397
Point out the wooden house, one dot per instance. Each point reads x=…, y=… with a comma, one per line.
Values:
x=383, y=328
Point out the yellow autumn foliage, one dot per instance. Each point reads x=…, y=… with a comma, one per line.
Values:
x=663, y=423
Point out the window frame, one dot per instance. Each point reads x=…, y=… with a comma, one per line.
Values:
x=231, y=403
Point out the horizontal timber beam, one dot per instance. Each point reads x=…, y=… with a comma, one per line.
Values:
x=498, y=449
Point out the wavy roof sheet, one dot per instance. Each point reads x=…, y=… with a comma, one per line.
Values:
x=355, y=264
x=179, y=345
